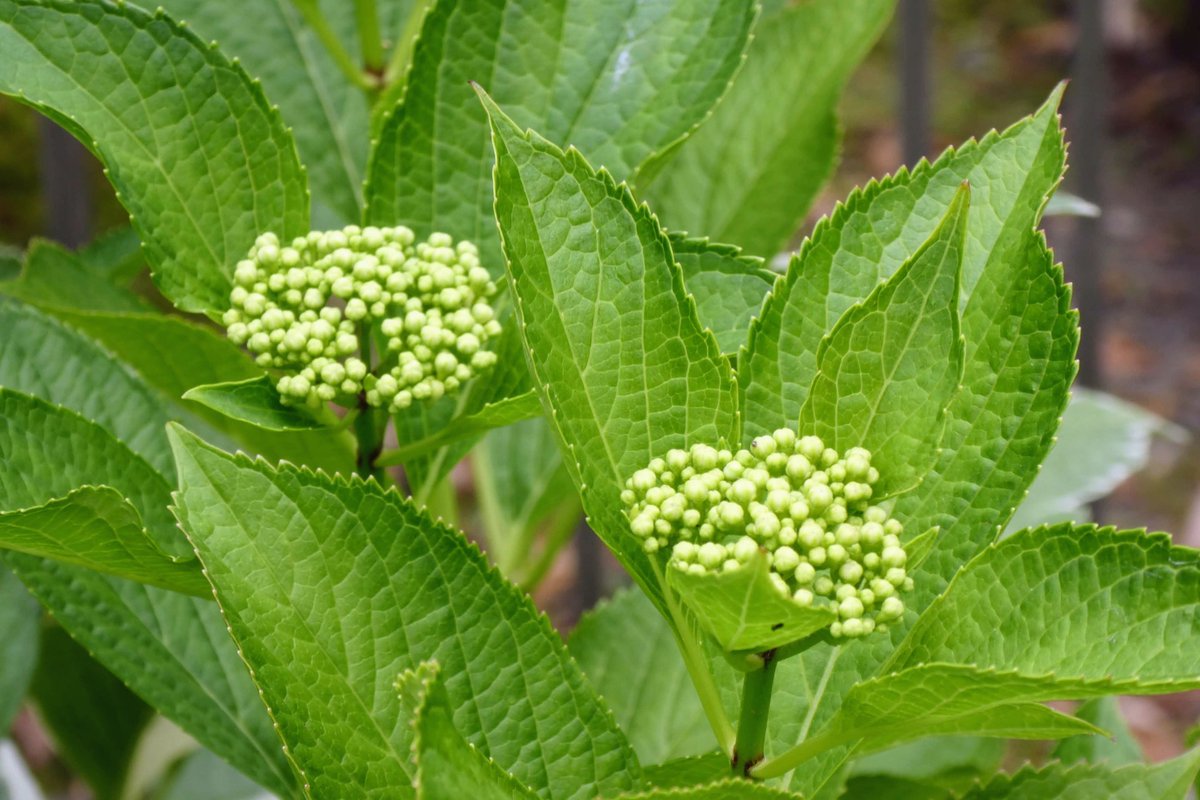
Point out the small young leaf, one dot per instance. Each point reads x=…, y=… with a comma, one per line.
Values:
x=888, y=369
x=614, y=342
x=749, y=173
x=447, y=766
x=203, y=165
x=333, y=587
x=620, y=81
x=729, y=287
x=254, y=401
x=743, y=610
x=1170, y=780
x=626, y=649
x=97, y=528
x=503, y=412
x=54, y=276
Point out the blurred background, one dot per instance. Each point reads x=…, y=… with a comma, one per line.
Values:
x=947, y=70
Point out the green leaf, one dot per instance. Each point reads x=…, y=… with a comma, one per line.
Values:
x=626, y=649
x=731, y=789
x=1119, y=748
x=1047, y=614
x=43, y=357
x=54, y=276
x=49, y=451
x=19, y=633
x=524, y=490
x=94, y=720
x=1101, y=442
x=204, y=776
x=203, y=165
x=172, y=650
x=10, y=263
x=325, y=112
x=729, y=287
x=870, y=787
x=614, y=343
x=940, y=761
x=97, y=528
x=447, y=766
x=873, y=233
x=115, y=254
x=744, y=611
x=621, y=81
x=750, y=172
x=891, y=364
x=684, y=772
x=254, y=401
x=1169, y=780
x=332, y=587
x=505, y=411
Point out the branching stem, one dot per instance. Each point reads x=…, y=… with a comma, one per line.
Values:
x=329, y=39
x=366, y=16
x=752, y=725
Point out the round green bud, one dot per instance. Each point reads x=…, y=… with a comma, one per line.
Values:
x=850, y=608
x=891, y=609
x=711, y=555
x=803, y=597
x=785, y=560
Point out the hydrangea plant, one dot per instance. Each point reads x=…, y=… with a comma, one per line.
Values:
x=809, y=474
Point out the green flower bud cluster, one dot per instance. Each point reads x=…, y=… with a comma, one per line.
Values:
x=305, y=307
x=804, y=505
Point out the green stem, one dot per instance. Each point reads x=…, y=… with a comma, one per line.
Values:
x=366, y=15
x=558, y=533
x=788, y=760
x=345, y=62
x=752, y=725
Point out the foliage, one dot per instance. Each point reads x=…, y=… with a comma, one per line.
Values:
x=775, y=458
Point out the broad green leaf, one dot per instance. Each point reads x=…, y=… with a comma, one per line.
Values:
x=749, y=173
x=742, y=610
x=447, y=766
x=174, y=355
x=254, y=401
x=333, y=587
x=891, y=364
x=524, y=490
x=1101, y=442
x=19, y=633
x=691, y=771
x=503, y=412
x=48, y=451
x=730, y=789
x=203, y=165
x=622, y=81
x=93, y=719
x=871, y=787
x=626, y=649
x=873, y=233
x=615, y=346
x=97, y=528
x=729, y=287
x=1120, y=747
x=41, y=356
x=53, y=275
x=1047, y=614
x=1169, y=780
x=172, y=650
x=326, y=113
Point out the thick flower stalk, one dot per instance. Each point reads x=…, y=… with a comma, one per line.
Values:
x=804, y=505
x=311, y=309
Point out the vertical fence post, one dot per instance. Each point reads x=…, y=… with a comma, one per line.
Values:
x=63, y=164
x=1087, y=121
x=914, y=79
